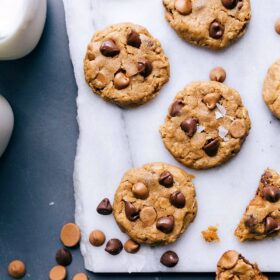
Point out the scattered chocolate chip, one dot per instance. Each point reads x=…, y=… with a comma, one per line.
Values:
x=133, y=39
x=176, y=108
x=114, y=246
x=271, y=225
x=189, y=126
x=97, y=238
x=271, y=193
x=265, y=179
x=216, y=30
x=251, y=223
x=169, y=259
x=121, y=81
x=218, y=74
x=63, y=257
x=184, y=7
x=211, y=147
x=177, y=199
x=16, y=269
x=130, y=211
x=131, y=246
x=229, y=4
x=166, y=179
x=145, y=67
x=104, y=207
x=277, y=26
x=140, y=190
x=70, y=235
x=109, y=48
x=165, y=224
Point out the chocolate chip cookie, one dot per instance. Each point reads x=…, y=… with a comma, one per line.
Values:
x=262, y=216
x=271, y=89
x=206, y=125
x=210, y=23
x=154, y=204
x=233, y=265
x=125, y=65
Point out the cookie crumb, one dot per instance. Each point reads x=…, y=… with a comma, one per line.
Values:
x=211, y=234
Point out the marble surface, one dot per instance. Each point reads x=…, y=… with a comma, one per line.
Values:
x=112, y=140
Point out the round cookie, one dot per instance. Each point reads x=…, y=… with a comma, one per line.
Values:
x=271, y=89
x=154, y=204
x=125, y=65
x=210, y=23
x=206, y=125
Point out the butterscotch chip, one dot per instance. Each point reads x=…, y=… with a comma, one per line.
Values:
x=58, y=272
x=218, y=74
x=70, y=235
x=211, y=234
x=131, y=246
x=80, y=276
x=97, y=238
x=148, y=215
x=277, y=26
x=16, y=269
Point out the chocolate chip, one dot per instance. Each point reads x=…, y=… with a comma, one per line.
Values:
x=63, y=257
x=271, y=193
x=176, y=108
x=166, y=179
x=271, y=225
x=251, y=223
x=109, y=48
x=169, y=259
x=133, y=39
x=104, y=207
x=189, y=126
x=211, y=147
x=177, y=199
x=165, y=224
x=130, y=211
x=229, y=4
x=216, y=30
x=114, y=246
x=145, y=67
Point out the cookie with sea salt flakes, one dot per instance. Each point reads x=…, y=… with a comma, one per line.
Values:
x=125, y=64
x=211, y=23
x=206, y=125
x=155, y=203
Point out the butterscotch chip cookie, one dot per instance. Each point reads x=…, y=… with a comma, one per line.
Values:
x=125, y=64
x=271, y=89
x=262, y=216
x=210, y=23
x=164, y=212
x=233, y=265
x=206, y=125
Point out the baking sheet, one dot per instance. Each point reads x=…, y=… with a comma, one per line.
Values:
x=112, y=139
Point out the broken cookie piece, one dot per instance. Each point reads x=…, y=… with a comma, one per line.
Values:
x=211, y=234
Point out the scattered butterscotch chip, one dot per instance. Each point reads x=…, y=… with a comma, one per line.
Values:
x=80, y=276
x=131, y=246
x=277, y=26
x=218, y=74
x=16, y=269
x=97, y=238
x=70, y=235
x=211, y=234
x=58, y=272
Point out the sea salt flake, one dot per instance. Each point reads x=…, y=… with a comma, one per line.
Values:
x=221, y=111
x=223, y=132
x=200, y=128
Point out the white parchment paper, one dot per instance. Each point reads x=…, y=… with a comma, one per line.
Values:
x=112, y=139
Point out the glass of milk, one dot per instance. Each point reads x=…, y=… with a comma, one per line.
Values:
x=21, y=26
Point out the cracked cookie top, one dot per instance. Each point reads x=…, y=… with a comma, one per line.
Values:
x=262, y=216
x=271, y=89
x=206, y=125
x=155, y=203
x=211, y=23
x=233, y=265
x=125, y=65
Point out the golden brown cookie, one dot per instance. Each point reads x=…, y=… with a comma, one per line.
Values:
x=262, y=216
x=206, y=125
x=233, y=265
x=210, y=23
x=154, y=204
x=125, y=64
x=271, y=89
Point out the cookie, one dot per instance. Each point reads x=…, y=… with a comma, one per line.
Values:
x=125, y=65
x=206, y=125
x=154, y=204
x=209, y=23
x=233, y=265
x=262, y=216
x=271, y=89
